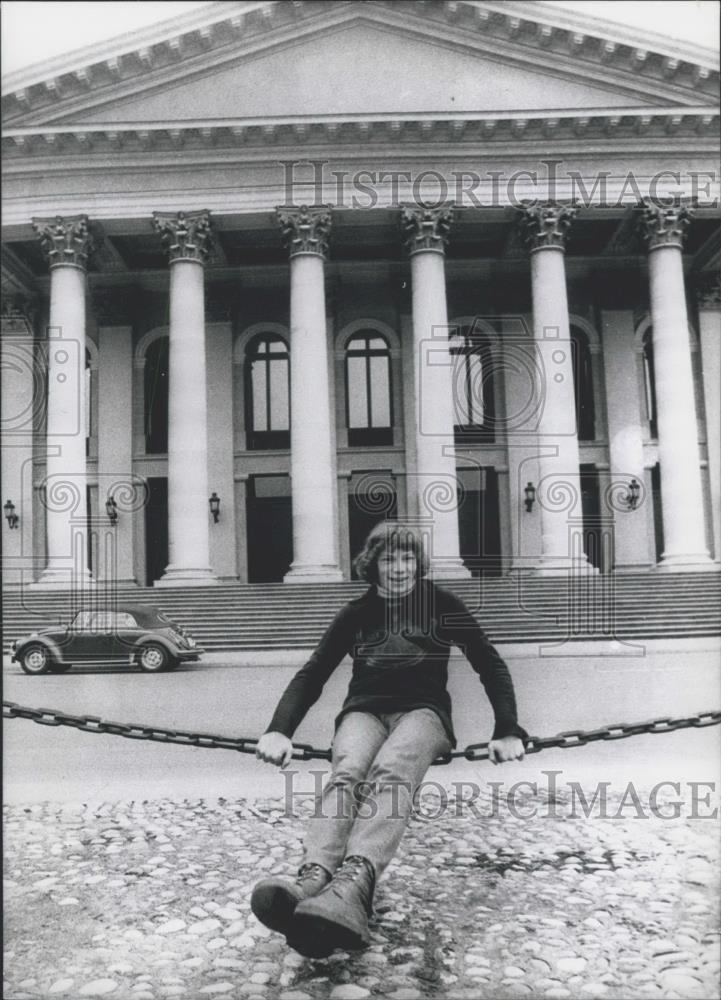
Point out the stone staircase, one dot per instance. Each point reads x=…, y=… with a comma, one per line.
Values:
x=245, y=617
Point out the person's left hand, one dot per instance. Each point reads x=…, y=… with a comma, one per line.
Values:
x=507, y=748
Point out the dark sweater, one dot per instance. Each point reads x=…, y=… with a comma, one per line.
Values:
x=400, y=649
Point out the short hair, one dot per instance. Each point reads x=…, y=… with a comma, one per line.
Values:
x=389, y=535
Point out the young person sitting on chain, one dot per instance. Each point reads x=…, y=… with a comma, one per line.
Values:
x=396, y=719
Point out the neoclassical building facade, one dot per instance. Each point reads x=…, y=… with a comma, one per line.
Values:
x=276, y=271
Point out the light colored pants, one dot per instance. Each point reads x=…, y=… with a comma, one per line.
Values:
x=378, y=763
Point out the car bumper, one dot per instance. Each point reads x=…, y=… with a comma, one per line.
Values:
x=189, y=655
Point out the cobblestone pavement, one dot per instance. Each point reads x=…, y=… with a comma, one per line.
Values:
x=149, y=901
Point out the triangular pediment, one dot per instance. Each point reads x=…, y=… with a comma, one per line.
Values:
x=348, y=59
x=360, y=69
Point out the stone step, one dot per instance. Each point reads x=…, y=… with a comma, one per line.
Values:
x=275, y=616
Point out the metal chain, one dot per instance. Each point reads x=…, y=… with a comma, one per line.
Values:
x=303, y=751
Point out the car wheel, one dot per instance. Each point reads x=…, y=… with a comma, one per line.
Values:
x=153, y=658
x=35, y=659
x=60, y=668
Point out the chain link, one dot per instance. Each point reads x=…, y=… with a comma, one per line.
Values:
x=303, y=751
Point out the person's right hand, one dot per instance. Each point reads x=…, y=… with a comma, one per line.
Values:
x=274, y=748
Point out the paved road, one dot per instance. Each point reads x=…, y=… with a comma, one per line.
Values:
x=554, y=694
x=129, y=865
x=149, y=901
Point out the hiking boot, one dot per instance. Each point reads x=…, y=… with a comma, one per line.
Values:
x=274, y=900
x=337, y=917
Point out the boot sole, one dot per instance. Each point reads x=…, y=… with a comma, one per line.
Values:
x=311, y=927
x=311, y=947
x=274, y=906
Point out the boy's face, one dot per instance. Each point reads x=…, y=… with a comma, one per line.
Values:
x=397, y=568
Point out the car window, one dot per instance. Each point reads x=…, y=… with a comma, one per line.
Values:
x=103, y=621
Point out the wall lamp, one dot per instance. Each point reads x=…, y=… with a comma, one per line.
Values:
x=214, y=501
x=530, y=492
x=112, y=510
x=9, y=511
x=634, y=493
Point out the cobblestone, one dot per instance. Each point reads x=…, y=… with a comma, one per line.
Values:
x=552, y=906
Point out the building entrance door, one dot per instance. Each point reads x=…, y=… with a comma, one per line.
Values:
x=657, y=516
x=591, y=508
x=270, y=528
x=478, y=521
x=367, y=508
x=156, y=529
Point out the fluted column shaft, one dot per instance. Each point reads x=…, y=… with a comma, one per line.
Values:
x=426, y=233
x=559, y=491
x=681, y=492
x=312, y=461
x=709, y=319
x=66, y=243
x=187, y=240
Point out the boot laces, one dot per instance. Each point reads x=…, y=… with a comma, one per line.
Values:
x=352, y=868
x=311, y=872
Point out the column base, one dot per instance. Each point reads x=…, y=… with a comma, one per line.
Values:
x=692, y=562
x=564, y=566
x=313, y=574
x=523, y=567
x=63, y=578
x=640, y=567
x=449, y=569
x=187, y=576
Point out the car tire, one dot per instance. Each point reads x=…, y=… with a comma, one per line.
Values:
x=153, y=658
x=59, y=668
x=35, y=659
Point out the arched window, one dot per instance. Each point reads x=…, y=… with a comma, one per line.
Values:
x=583, y=386
x=649, y=382
x=156, y=381
x=473, y=392
x=369, y=415
x=267, y=392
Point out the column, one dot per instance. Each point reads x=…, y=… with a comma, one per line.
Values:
x=708, y=295
x=187, y=239
x=662, y=228
x=115, y=454
x=22, y=400
x=220, y=448
x=66, y=243
x=625, y=442
x=426, y=234
x=305, y=233
x=558, y=490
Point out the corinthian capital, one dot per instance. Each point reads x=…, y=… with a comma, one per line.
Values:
x=426, y=228
x=545, y=224
x=305, y=229
x=663, y=225
x=184, y=236
x=65, y=241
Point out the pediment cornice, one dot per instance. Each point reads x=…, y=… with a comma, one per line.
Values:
x=612, y=128
x=523, y=34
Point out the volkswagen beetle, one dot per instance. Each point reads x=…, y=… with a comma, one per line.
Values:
x=130, y=634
